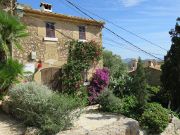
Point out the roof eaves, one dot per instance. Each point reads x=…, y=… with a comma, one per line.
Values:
x=63, y=16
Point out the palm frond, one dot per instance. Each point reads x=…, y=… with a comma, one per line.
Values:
x=11, y=29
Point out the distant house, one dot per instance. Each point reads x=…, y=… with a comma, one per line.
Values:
x=48, y=33
x=152, y=71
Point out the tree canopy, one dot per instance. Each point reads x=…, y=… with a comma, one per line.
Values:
x=140, y=84
x=171, y=68
x=114, y=63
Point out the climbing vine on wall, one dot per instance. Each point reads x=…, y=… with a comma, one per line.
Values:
x=80, y=57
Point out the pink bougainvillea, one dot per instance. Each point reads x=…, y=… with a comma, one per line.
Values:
x=98, y=83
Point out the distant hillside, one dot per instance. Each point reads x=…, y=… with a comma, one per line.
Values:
x=127, y=60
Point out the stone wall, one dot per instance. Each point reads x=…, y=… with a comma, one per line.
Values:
x=52, y=54
x=7, y=5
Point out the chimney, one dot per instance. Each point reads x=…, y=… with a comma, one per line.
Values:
x=150, y=64
x=46, y=7
x=134, y=64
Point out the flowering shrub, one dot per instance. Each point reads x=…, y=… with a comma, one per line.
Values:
x=99, y=82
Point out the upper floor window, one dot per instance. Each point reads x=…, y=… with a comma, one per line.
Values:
x=50, y=30
x=82, y=32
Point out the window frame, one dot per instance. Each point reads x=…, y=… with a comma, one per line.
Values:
x=50, y=30
x=82, y=32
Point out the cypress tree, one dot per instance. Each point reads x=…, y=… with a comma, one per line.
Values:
x=170, y=77
x=140, y=84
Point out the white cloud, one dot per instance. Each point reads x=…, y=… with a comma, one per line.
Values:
x=131, y=3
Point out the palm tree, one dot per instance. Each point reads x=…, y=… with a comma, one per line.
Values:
x=11, y=30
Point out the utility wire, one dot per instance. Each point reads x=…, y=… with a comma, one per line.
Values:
x=72, y=8
x=130, y=49
x=118, y=43
x=120, y=27
x=111, y=31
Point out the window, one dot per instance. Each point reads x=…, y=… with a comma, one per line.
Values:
x=50, y=30
x=82, y=32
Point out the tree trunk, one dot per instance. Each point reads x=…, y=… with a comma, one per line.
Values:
x=169, y=104
x=3, y=56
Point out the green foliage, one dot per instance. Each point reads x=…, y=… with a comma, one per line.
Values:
x=81, y=57
x=129, y=104
x=9, y=73
x=82, y=94
x=139, y=84
x=121, y=86
x=153, y=93
x=119, y=80
x=114, y=64
x=11, y=29
x=38, y=106
x=171, y=70
x=109, y=102
x=155, y=118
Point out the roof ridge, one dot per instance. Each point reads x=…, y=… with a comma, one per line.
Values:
x=64, y=15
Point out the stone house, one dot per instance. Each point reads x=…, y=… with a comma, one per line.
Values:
x=152, y=70
x=48, y=35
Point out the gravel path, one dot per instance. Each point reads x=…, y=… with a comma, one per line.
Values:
x=9, y=126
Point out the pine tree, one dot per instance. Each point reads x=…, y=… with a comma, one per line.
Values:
x=171, y=69
x=140, y=84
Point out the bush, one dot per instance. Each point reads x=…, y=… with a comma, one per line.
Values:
x=38, y=106
x=82, y=94
x=109, y=102
x=130, y=106
x=98, y=83
x=155, y=118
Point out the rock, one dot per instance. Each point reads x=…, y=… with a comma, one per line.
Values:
x=79, y=131
x=173, y=127
x=5, y=105
x=32, y=131
x=93, y=122
x=113, y=129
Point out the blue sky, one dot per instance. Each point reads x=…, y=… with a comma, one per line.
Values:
x=151, y=19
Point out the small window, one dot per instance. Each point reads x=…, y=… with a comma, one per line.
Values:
x=82, y=32
x=50, y=30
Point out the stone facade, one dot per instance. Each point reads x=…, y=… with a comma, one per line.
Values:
x=8, y=5
x=54, y=53
x=152, y=71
